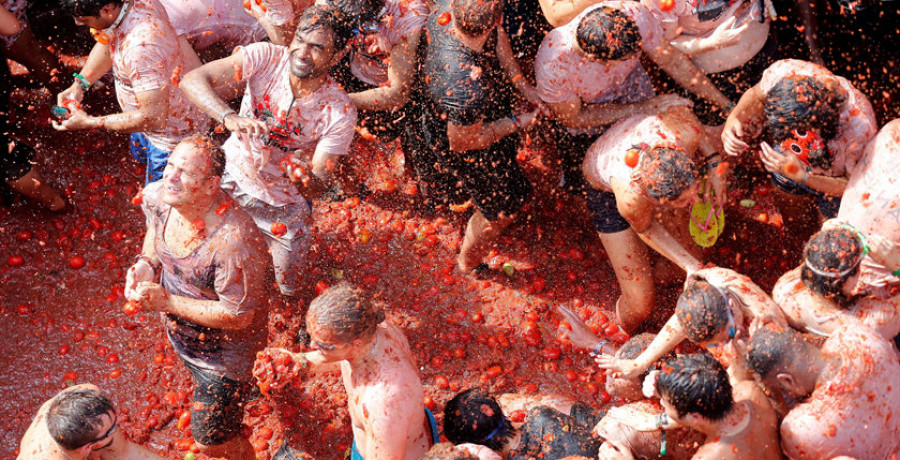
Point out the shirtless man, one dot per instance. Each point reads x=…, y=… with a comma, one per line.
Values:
x=646, y=205
x=384, y=393
x=79, y=423
x=818, y=123
x=695, y=392
x=589, y=83
x=849, y=402
x=294, y=125
x=136, y=41
x=825, y=292
x=203, y=269
x=717, y=307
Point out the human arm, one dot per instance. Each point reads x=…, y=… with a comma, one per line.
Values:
x=884, y=251
x=560, y=12
x=744, y=122
x=401, y=76
x=575, y=114
x=513, y=71
x=279, y=26
x=788, y=165
x=754, y=303
x=152, y=113
x=191, y=60
x=722, y=36
x=481, y=135
x=614, y=450
x=98, y=63
x=685, y=73
x=671, y=335
x=810, y=26
x=581, y=335
x=209, y=313
x=9, y=23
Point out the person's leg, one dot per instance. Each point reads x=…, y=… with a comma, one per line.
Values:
x=676, y=222
x=216, y=415
x=33, y=186
x=480, y=236
x=39, y=61
x=630, y=259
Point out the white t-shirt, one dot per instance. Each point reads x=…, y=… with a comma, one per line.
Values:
x=146, y=57
x=323, y=122
x=372, y=47
x=205, y=22
x=857, y=123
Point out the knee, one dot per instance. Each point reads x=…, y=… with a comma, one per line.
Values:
x=218, y=450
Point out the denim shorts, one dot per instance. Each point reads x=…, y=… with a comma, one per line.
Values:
x=218, y=409
x=604, y=211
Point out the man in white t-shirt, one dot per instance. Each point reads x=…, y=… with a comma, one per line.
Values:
x=136, y=41
x=590, y=75
x=294, y=125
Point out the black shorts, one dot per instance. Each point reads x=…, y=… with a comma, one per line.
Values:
x=491, y=177
x=605, y=212
x=218, y=407
x=16, y=163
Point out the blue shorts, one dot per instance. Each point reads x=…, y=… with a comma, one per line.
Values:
x=604, y=211
x=432, y=423
x=145, y=152
x=828, y=204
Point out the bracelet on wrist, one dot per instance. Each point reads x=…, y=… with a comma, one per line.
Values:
x=82, y=80
x=515, y=121
x=596, y=351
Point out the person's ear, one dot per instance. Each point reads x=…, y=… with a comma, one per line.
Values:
x=339, y=55
x=787, y=382
x=692, y=419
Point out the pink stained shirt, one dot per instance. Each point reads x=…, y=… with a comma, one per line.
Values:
x=563, y=73
x=855, y=407
x=605, y=158
x=871, y=203
x=698, y=18
x=204, y=22
x=857, y=123
x=321, y=123
x=372, y=47
x=146, y=56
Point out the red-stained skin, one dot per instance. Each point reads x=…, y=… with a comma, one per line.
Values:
x=474, y=326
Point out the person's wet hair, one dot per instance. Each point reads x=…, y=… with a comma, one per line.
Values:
x=476, y=17
x=608, y=35
x=86, y=7
x=216, y=154
x=447, y=451
x=318, y=17
x=802, y=104
x=773, y=349
x=830, y=257
x=696, y=384
x=666, y=173
x=473, y=416
x=702, y=311
x=354, y=14
x=345, y=312
x=75, y=417
x=633, y=347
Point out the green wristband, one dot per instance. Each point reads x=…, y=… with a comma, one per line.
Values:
x=85, y=84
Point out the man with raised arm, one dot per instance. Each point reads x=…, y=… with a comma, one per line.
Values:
x=135, y=41
x=384, y=393
x=203, y=269
x=293, y=127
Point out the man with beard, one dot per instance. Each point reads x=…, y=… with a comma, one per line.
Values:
x=293, y=126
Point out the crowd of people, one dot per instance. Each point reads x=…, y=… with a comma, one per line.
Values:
x=647, y=107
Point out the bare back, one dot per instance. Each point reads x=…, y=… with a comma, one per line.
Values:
x=756, y=438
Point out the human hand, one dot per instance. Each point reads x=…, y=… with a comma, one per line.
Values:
x=718, y=179
x=726, y=34
x=659, y=104
x=72, y=93
x=614, y=450
x=254, y=8
x=733, y=137
x=276, y=367
x=625, y=368
x=783, y=162
x=139, y=272
x=245, y=126
x=649, y=385
x=528, y=119
x=531, y=95
x=580, y=334
x=151, y=296
x=77, y=119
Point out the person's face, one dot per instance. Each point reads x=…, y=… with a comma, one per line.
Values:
x=105, y=19
x=188, y=177
x=312, y=53
x=327, y=343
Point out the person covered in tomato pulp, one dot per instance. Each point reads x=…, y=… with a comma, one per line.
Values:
x=384, y=392
x=79, y=423
x=203, y=268
x=294, y=125
x=847, y=398
x=136, y=41
x=209, y=30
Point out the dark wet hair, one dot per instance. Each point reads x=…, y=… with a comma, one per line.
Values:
x=74, y=417
x=696, y=384
x=773, y=348
x=353, y=14
x=476, y=17
x=607, y=34
x=633, y=347
x=667, y=173
x=474, y=416
x=216, y=154
x=830, y=257
x=327, y=17
x=702, y=311
x=447, y=451
x=345, y=312
x=86, y=7
x=804, y=103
